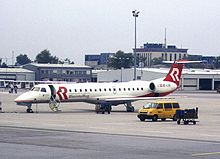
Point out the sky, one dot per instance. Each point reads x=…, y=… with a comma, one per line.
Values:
x=73, y=28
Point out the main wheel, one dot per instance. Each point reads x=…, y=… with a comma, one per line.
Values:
x=186, y=122
x=29, y=110
x=142, y=119
x=130, y=109
x=155, y=117
x=109, y=108
x=178, y=122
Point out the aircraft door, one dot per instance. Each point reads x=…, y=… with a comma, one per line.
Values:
x=52, y=92
x=43, y=94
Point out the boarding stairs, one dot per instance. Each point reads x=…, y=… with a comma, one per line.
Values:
x=54, y=105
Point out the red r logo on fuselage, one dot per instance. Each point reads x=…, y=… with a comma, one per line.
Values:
x=62, y=93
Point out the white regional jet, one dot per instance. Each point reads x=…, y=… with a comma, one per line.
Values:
x=104, y=95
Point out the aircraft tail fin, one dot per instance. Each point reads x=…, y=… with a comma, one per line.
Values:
x=175, y=72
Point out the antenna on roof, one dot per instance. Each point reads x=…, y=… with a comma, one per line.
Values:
x=165, y=38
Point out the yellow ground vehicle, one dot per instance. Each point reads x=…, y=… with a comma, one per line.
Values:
x=159, y=110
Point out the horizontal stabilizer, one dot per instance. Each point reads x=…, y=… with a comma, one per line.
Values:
x=183, y=62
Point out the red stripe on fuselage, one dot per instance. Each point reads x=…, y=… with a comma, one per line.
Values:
x=155, y=95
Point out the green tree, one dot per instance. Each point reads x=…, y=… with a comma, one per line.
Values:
x=22, y=59
x=217, y=62
x=156, y=61
x=120, y=59
x=46, y=57
x=66, y=60
x=4, y=65
x=141, y=61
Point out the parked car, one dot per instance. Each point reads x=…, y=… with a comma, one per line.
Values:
x=159, y=110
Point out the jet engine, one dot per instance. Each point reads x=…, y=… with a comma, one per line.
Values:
x=159, y=87
x=152, y=87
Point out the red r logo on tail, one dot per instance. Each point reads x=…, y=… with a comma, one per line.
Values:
x=175, y=74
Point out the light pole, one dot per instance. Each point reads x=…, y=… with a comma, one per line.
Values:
x=135, y=15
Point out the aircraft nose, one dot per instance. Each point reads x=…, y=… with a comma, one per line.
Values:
x=23, y=97
x=19, y=98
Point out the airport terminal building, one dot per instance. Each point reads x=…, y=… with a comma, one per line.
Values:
x=149, y=51
x=16, y=74
x=192, y=79
x=60, y=72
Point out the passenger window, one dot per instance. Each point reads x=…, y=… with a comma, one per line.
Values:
x=80, y=90
x=85, y=90
x=90, y=90
x=110, y=89
x=124, y=89
x=133, y=89
x=160, y=106
x=142, y=89
x=137, y=89
x=70, y=90
x=176, y=105
x=100, y=89
x=167, y=105
x=75, y=90
x=95, y=90
x=43, y=90
x=104, y=89
x=129, y=89
x=119, y=89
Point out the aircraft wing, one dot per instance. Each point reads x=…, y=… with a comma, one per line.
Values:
x=134, y=99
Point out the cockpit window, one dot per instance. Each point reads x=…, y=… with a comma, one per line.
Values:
x=43, y=90
x=35, y=89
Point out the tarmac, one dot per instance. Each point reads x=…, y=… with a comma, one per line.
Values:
x=78, y=132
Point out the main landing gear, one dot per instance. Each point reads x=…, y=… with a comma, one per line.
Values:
x=103, y=107
x=29, y=110
x=106, y=107
x=129, y=107
x=54, y=105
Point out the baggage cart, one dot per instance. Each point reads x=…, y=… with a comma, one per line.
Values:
x=187, y=116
